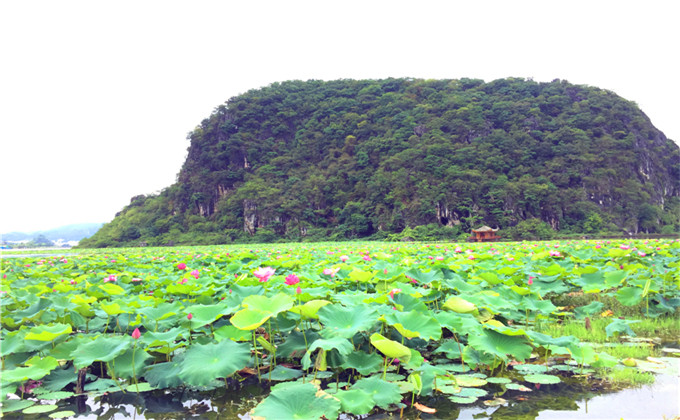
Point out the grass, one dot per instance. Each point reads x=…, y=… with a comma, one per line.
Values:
x=621, y=377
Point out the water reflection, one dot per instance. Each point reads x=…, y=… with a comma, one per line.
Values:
x=548, y=402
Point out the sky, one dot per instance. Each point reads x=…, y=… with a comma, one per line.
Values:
x=97, y=97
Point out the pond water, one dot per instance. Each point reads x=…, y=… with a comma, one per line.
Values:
x=548, y=402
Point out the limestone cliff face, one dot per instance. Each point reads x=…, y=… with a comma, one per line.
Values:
x=358, y=157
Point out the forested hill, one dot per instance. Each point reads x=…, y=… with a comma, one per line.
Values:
x=398, y=157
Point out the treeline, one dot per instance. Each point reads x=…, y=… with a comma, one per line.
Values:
x=352, y=159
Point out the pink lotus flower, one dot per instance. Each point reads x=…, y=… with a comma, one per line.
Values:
x=331, y=271
x=642, y=254
x=344, y=258
x=183, y=281
x=598, y=246
x=458, y=250
x=136, y=334
x=189, y=316
x=555, y=254
x=531, y=280
x=292, y=279
x=136, y=279
x=471, y=257
x=393, y=292
x=298, y=290
x=439, y=258
x=367, y=258
x=624, y=247
x=264, y=273
x=194, y=273
x=112, y=277
x=181, y=266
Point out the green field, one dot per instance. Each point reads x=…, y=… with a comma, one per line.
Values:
x=333, y=328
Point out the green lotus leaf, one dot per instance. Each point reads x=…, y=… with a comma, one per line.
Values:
x=162, y=311
x=207, y=314
x=358, y=275
x=382, y=392
x=40, y=409
x=541, y=378
x=463, y=400
x=451, y=347
x=156, y=339
x=258, y=309
x=470, y=392
x=9, y=406
x=459, y=305
x=344, y=322
x=589, y=309
x=342, y=345
x=498, y=380
x=229, y=332
x=309, y=309
x=459, y=323
x=296, y=343
x=123, y=363
x=112, y=308
x=297, y=401
x=415, y=324
x=518, y=387
x=390, y=348
x=58, y=379
x=166, y=374
x=139, y=387
x=56, y=395
x=102, y=349
x=501, y=345
x=112, y=289
x=62, y=414
x=249, y=319
x=282, y=373
x=406, y=302
x=102, y=385
x=364, y=363
x=469, y=381
x=583, y=353
x=48, y=332
x=205, y=362
x=629, y=296
x=424, y=277
x=355, y=401
x=618, y=326
x=36, y=368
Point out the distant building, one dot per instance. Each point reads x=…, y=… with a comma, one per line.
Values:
x=484, y=234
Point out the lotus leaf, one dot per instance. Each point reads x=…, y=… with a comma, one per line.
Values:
x=48, y=332
x=390, y=348
x=165, y=375
x=258, y=309
x=40, y=409
x=342, y=345
x=355, y=401
x=540, y=378
x=459, y=305
x=364, y=363
x=282, y=373
x=205, y=362
x=309, y=309
x=36, y=368
x=344, y=322
x=102, y=349
x=297, y=401
x=383, y=393
x=501, y=345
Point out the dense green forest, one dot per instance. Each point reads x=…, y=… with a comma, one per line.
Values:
x=400, y=158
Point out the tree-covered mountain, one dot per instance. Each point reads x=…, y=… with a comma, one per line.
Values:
x=371, y=158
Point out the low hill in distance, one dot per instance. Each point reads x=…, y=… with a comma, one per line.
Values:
x=402, y=158
x=61, y=235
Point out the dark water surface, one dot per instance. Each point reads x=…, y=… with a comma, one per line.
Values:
x=548, y=402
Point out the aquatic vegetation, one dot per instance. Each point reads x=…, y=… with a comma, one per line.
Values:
x=331, y=334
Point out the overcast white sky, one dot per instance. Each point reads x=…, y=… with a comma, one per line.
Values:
x=97, y=97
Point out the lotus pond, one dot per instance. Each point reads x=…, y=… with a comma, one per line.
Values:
x=329, y=330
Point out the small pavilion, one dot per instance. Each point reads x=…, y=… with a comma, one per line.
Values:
x=484, y=234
